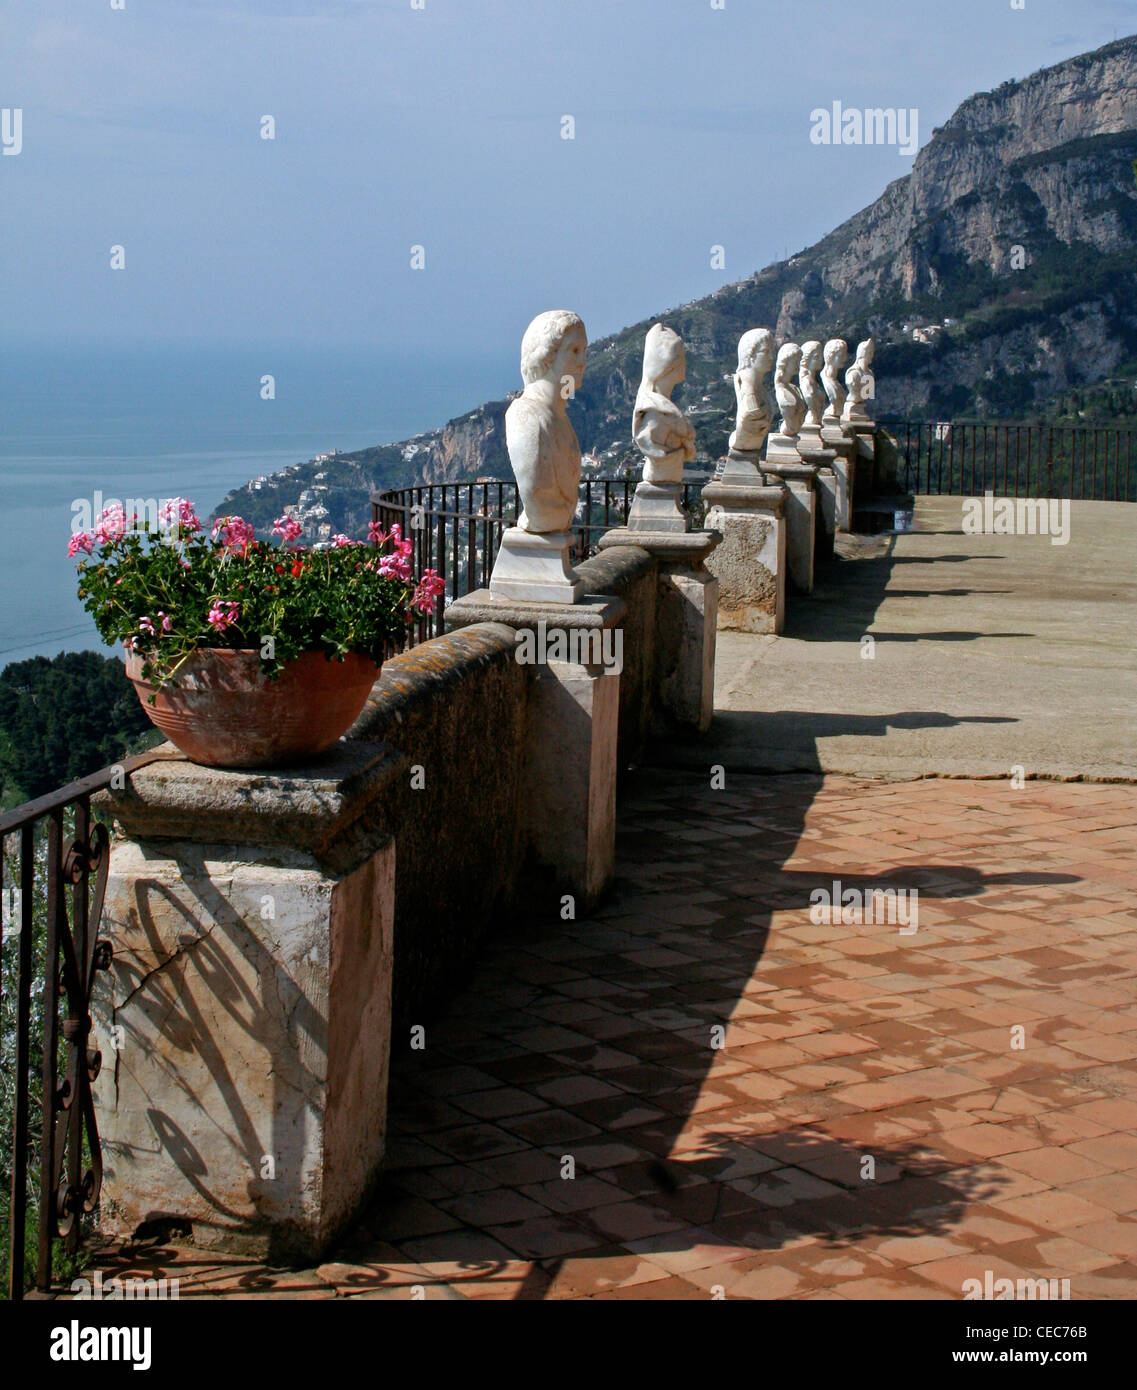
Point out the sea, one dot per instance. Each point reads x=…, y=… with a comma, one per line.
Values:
x=183, y=421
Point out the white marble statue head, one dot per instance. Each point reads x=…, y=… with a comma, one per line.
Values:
x=755, y=406
x=539, y=437
x=756, y=350
x=788, y=364
x=811, y=389
x=836, y=354
x=860, y=382
x=665, y=359
x=553, y=348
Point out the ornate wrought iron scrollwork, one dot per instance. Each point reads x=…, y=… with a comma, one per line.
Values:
x=85, y=863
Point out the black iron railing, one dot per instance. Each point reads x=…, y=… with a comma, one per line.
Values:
x=53, y=875
x=961, y=459
x=457, y=527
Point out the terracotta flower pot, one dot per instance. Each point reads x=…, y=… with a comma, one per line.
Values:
x=222, y=711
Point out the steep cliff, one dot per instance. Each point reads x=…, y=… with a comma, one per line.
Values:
x=999, y=278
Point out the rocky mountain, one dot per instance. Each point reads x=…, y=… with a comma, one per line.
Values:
x=999, y=278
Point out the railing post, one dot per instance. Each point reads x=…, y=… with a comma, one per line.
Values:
x=48, y=1219
x=19, y=1195
x=251, y=916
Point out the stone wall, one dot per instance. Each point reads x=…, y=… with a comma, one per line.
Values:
x=456, y=707
x=631, y=574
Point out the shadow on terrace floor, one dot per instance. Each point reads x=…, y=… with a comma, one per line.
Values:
x=832, y=1134
x=849, y=590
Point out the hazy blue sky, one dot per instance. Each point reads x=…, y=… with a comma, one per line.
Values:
x=441, y=127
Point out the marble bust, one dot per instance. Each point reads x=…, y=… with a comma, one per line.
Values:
x=663, y=434
x=539, y=436
x=787, y=392
x=755, y=412
x=812, y=392
x=860, y=381
x=534, y=560
x=836, y=355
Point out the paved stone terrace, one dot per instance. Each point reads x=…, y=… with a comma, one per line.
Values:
x=740, y=1169
x=989, y=651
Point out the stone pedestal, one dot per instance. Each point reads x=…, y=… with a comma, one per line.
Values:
x=245, y=1021
x=741, y=466
x=570, y=757
x=686, y=623
x=827, y=488
x=801, y=520
x=658, y=508
x=535, y=567
x=864, y=432
x=781, y=449
x=813, y=450
x=751, y=562
x=809, y=440
x=844, y=446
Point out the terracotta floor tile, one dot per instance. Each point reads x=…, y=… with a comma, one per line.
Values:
x=1115, y=1281
x=600, y=1271
x=1117, y=1235
x=1056, y=1166
x=770, y=1281
x=918, y=1250
x=878, y=1289
x=952, y=1273
x=624, y=1221
x=990, y=1141
x=1115, y=1152
x=670, y=1288
x=1115, y=1191
x=1054, y=1211
x=1063, y=1255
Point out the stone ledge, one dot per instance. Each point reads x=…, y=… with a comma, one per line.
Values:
x=746, y=497
x=691, y=547
x=823, y=455
x=594, y=611
x=616, y=569
x=304, y=808
x=431, y=671
x=798, y=471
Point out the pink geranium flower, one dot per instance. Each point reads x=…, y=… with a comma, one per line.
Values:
x=427, y=590
x=178, y=511
x=235, y=533
x=222, y=615
x=111, y=524
x=287, y=528
x=80, y=540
